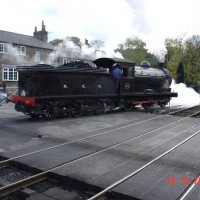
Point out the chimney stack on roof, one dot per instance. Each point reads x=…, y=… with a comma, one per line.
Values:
x=41, y=35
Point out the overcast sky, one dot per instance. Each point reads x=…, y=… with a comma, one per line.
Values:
x=109, y=20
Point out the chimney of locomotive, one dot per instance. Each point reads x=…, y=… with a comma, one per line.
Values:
x=161, y=65
x=41, y=35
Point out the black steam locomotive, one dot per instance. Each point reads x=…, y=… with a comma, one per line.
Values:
x=76, y=87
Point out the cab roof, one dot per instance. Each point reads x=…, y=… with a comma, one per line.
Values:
x=108, y=62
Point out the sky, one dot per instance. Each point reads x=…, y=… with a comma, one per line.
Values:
x=109, y=20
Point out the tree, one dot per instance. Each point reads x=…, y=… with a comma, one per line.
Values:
x=134, y=49
x=75, y=40
x=186, y=51
x=56, y=42
x=180, y=73
x=134, y=43
x=154, y=61
x=97, y=44
x=119, y=48
x=174, y=54
x=192, y=59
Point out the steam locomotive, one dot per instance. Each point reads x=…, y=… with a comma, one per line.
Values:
x=78, y=87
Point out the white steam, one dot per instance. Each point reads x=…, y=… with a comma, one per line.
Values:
x=67, y=49
x=187, y=96
x=16, y=56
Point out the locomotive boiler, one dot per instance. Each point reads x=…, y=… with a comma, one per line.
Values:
x=79, y=87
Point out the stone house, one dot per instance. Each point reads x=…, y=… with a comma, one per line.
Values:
x=18, y=50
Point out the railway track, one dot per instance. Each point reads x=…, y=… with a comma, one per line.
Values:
x=108, y=189
x=5, y=190
x=188, y=111
x=176, y=111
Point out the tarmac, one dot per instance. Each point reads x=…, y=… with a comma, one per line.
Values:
x=166, y=178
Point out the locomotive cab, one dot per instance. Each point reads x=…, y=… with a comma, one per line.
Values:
x=127, y=67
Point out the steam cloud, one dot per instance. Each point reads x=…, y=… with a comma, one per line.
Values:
x=68, y=49
x=187, y=97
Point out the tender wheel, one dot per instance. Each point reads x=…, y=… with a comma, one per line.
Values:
x=49, y=116
x=162, y=105
x=50, y=113
x=76, y=113
x=65, y=111
x=146, y=106
x=100, y=109
x=127, y=106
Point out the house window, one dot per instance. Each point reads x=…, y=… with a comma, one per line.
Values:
x=38, y=56
x=66, y=60
x=10, y=74
x=3, y=48
x=21, y=50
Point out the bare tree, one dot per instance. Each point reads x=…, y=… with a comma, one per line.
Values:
x=97, y=44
